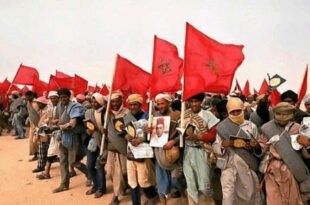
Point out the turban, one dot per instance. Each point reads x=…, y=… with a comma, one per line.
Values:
x=52, y=94
x=42, y=100
x=234, y=104
x=99, y=98
x=307, y=99
x=135, y=98
x=163, y=96
x=80, y=98
x=283, y=107
x=116, y=94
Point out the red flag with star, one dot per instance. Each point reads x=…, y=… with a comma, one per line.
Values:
x=25, y=75
x=80, y=85
x=246, y=90
x=129, y=78
x=61, y=75
x=275, y=97
x=167, y=68
x=40, y=87
x=209, y=66
x=303, y=88
x=104, y=90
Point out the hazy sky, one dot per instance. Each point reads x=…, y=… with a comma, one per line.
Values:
x=83, y=36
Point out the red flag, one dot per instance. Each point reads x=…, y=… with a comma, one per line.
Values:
x=263, y=88
x=167, y=68
x=255, y=91
x=5, y=86
x=246, y=90
x=57, y=83
x=209, y=65
x=130, y=78
x=13, y=88
x=91, y=89
x=303, y=88
x=80, y=85
x=62, y=75
x=97, y=89
x=40, y=87
x=275, y=97
x=24, y=90
x=104, y=90
x=237, y=87
x=25, y=75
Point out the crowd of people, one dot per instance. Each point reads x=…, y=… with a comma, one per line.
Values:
x=237, y=150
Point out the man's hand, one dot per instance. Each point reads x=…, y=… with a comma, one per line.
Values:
x=128, y=137
x=303, y=140
x=104, y=131
x=136, y=141
x=253, y=143
x=227, y=143
x=148, y=130
x=169, y=144
x=89, y=132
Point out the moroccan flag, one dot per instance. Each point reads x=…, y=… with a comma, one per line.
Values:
x=57, y=83
x=61, y=75
x=13, y=88
x=80, y=85
x=303, y=88
x=237, y=87
x=97, y=89
x=5, y=86
x=40, y=87
x=104, y=90
x=246, y=90
x=130, y=79
x=209, y=66
x=255, y=91
x=24, y=90
x=167, y=68
x=263, y=88
x=25, y=75
x=275, y=97
x=91, y=89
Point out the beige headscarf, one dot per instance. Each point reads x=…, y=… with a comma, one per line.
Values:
x=283, y=113
x=235, y=104
x=135, y=98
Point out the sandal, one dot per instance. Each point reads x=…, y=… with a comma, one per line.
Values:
x=60, y=189
x=91, y=191
x=43, y=176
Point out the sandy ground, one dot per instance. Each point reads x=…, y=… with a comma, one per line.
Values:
x=19, y=186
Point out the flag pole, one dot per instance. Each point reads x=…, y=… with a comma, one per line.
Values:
x=182, y=112
x=14, y=79
x=150, y=118
x=107, y=111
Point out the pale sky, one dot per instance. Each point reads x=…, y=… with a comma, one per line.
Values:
x=83, y=36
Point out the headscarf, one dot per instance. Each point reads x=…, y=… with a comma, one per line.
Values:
x=163, y=96
x=80, y=98
x=53, y=94
x=99, y=98
x=135, y=98
x=283, y=113
x=42, y=100
x=116, y=94
x=235, y=104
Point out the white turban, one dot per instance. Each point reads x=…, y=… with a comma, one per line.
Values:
x=99, y=98
x=163, y=96
x=53, y=94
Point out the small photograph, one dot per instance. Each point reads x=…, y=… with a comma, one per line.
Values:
x=160, y=131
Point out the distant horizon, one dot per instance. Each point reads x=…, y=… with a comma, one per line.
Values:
x=84, y=37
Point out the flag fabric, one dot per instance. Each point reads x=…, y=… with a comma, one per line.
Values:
x=167, y=68
x=40, y=87
x=303, y=88
x=4, y=91
x=237, y=87
x=61, y=75
x=91, y=89
x=263, y=88
x=97, y=89
x=209, y=66
x=57, y=83
x=25, y=75
x=80, y=85
x=104, y=90
x=24, y=90
x=246, y=90
x=130, y=79
x=255, y=91
x=275, y=97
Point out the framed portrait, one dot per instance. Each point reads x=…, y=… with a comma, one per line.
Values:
x=160, y=131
